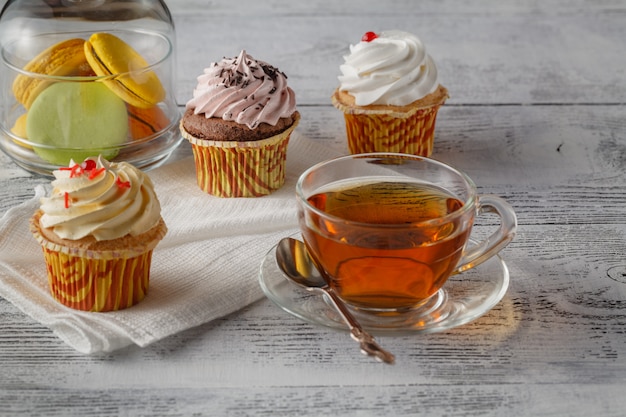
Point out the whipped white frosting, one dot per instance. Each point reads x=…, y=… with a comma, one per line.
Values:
x=102, y=199
x=243, y=90
x=392, y=69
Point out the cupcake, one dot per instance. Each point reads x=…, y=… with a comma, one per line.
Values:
x=239, y=122
x=389, y=95
x=98, y=229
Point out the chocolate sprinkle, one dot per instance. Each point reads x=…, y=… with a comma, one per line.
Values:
x=230, y=75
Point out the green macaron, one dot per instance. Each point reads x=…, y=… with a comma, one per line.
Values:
x=76, y=120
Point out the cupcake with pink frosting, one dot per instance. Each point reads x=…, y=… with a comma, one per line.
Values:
x=239, y=122
x=389, y=94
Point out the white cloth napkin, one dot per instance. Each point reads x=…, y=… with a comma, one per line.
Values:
x=205, y=268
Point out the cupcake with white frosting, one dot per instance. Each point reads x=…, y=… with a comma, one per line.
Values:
x=98, y=229
x=389, y=94
x=239, y=122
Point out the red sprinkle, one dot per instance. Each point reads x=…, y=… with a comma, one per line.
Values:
x=122, y=184
x=66, y=197
x=93, y=173
x=88, y=166
x=77, y=171
x=369, y=36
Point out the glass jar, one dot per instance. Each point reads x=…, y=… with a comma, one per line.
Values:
x=86, y=77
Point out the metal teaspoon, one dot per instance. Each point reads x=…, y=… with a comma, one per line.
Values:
x=294, y=260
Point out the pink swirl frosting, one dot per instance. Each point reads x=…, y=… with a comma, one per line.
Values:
x=243, y=90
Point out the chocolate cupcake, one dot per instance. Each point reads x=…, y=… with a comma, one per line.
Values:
x=239, y=122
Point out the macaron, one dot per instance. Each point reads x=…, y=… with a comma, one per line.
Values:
x=143, y=123
x=135, y=83
x=19, y=127
x=76, y=120
x=66, y=58
x=19, y=130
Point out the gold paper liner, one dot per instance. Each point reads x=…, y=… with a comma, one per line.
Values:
x=241, y=169
x=96, y=281
x=409, y=129
x=381, y=133
x=97, y=284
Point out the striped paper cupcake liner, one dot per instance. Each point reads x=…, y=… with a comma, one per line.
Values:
x=98, y=281
x=408, y=129
x=241, y=169
x=382, y=133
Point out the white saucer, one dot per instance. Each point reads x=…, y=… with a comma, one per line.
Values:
x=465, y=297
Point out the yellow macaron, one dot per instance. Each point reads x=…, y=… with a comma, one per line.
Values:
x=136, y=85
x=19, y=130
x=66, y=58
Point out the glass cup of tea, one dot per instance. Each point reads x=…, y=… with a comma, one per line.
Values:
x=390, y=229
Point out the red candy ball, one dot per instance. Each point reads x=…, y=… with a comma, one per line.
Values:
x=369, y=36
x=89, y=164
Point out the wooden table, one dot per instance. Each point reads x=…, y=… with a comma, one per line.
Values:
x=537, y=115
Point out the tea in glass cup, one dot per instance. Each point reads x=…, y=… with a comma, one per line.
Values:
x=389, y=229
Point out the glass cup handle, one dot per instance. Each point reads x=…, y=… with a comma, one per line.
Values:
x=479, y=253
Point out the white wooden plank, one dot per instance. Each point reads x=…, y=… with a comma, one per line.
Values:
x=536, y=116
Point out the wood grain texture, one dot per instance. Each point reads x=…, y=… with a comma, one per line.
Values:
x=488, y=53
x=536, y=116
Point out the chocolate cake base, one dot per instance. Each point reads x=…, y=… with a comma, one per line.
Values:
x=225, y=130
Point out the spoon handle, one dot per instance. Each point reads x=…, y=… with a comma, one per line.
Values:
x=369, y=346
